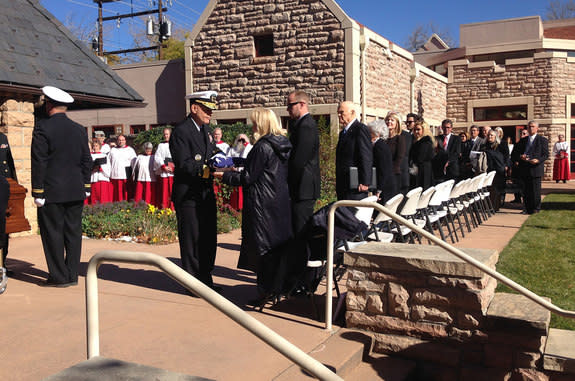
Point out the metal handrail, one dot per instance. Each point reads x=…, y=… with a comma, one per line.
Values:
x=453, y=250
x=257, y=328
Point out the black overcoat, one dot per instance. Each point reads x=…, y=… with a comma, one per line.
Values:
x=421, y=155
x=266, y=216
x=383, y=163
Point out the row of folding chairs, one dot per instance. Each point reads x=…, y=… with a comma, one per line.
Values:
x=449, y=208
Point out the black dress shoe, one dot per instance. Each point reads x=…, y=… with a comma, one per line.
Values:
x=49, y=283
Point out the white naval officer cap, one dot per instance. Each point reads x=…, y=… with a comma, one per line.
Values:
x=205, y=98
x=57, y=95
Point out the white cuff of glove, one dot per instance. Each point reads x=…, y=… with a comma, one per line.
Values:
x=88, y=194
x=39, y=202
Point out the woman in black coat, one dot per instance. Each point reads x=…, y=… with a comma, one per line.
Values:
x=382, y=161
x=397, y=144
x=266, y=216
x=496, y=161
x=421, y=155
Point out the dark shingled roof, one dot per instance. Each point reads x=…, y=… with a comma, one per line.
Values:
x=37, y=50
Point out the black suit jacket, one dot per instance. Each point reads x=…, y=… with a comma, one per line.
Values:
x=539, y=150
x=353, y=150
x=304, y=178
x=61, y=160
x=6, y=161
x=191, y=149
x=450, y=155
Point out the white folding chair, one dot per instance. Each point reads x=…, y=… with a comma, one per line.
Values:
x=409, y=211
x=382, y=221
x=437, y=212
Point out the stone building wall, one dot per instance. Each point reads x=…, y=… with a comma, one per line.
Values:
x=543, y=82
x=17, y=122
x=308, y=53
x=387, y=80
x=430, y=98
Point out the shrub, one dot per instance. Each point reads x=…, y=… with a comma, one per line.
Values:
x=230, y=131
x=143, y=222
x=154, y=135
x=326, y=163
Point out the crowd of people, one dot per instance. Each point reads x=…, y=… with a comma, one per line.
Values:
x=277, y=179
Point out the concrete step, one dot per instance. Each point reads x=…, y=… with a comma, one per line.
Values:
x=379, y=367
x=559, y=355
x=342, y=352
x=515, y=313
x=101, y=368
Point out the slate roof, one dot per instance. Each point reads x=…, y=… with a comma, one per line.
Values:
x=37, y=50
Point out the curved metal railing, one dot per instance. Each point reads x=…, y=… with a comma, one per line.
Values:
x=257, y=328
x=453, y=250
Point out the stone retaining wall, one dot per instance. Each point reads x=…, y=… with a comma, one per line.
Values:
x=423, y=303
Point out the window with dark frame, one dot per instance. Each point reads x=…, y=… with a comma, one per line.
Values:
x=515, y=112
x=264, y=45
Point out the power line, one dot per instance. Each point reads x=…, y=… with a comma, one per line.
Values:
x=191, y=9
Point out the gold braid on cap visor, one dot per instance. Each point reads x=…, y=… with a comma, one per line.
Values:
x=208, y=104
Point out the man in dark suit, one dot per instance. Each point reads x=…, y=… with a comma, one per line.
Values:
x=7, y=170
x=193, y=191
x=410, y=120
x=61, y=169
x=304, y=175
x=353, y=150
x=466, y=169
x=529, y=156
x=448, y=150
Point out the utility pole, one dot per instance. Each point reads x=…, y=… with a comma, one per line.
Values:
x=164, y=29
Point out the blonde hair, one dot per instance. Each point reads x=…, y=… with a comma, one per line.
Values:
x=426, y=131
x=397, y=130
x=266, y=122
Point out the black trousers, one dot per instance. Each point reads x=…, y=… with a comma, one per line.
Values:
x=4, y=196
x=61, y=231
x=197, y=233
x=532, y=196
x=296, y=263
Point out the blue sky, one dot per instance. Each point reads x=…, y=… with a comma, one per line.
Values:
x=394, y=20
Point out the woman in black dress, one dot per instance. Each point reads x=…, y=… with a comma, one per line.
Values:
x=396, y=143
x=382, y=161
x=421, y=155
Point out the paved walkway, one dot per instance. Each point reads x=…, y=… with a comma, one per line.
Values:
x=145, y=317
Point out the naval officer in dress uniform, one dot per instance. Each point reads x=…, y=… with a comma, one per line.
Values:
x=191, y=146
x=61, y=169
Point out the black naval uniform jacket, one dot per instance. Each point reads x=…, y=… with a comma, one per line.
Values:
x=61, y=160
x=6, y=161
x=191, y=149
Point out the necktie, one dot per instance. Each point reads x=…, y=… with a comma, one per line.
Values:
x=528, y=146
x=445, y=142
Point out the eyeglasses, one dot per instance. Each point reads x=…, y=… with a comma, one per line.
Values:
x=290, y=105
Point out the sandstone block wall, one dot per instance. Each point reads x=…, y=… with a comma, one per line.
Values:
x=547, y=79
x=17, y=122
x=422, y=303
x=308, y=53
x=387, y=79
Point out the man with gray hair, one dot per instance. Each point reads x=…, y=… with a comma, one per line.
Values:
x=353, y=150
x=529, y=156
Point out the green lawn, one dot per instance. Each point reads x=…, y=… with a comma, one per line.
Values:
x=541, y=256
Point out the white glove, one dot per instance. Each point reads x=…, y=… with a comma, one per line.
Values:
x=39, y=202
x=88, y=194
